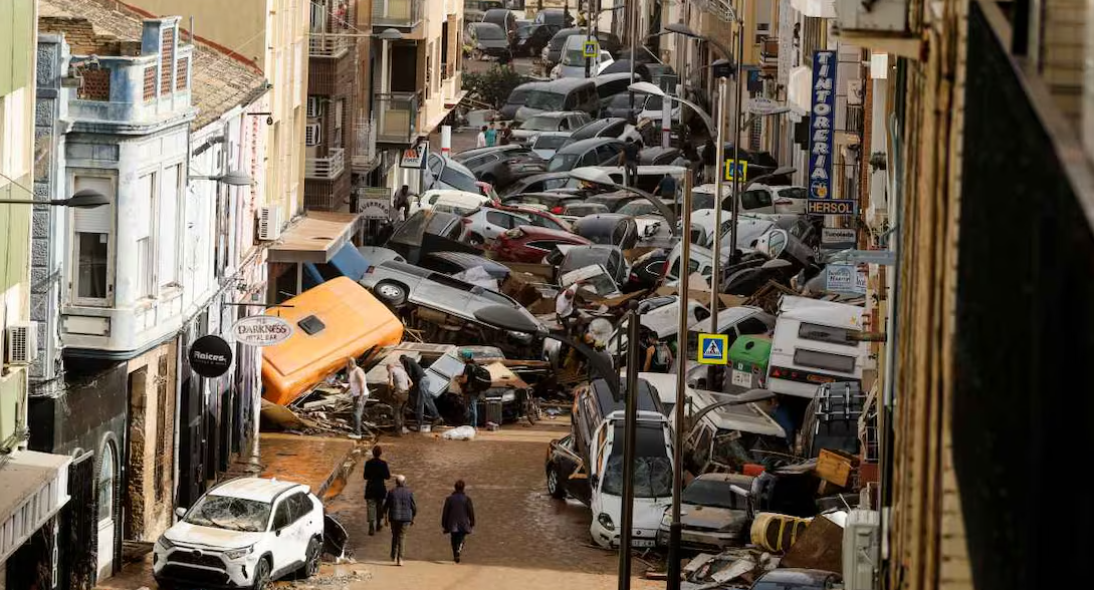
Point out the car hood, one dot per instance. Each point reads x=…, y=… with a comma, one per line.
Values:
x=184, y=533
x=710, y=517
x=493, y=43
x=647, y=511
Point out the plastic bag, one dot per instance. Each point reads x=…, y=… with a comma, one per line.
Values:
x=460, y=433
x=478, y=276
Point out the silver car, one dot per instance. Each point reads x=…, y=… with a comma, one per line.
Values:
x=397, y=284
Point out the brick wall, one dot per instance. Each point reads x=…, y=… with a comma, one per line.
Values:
x=149, y=83
x=80, y=35
x=168, y=61
x=148, y=499
x=96, y=85
x=182, y=74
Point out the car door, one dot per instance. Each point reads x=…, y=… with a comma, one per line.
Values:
x=497, y=223
x=285, y=548
x=571, y=470
x=607, y=153
x=444, y=293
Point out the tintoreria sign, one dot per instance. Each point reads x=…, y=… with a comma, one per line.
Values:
x=821, y=121
x=261, y=330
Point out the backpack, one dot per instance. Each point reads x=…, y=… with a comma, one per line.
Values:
x=480, y=379
x=661, y=354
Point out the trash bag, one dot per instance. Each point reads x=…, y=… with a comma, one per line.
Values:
x=478, y=276
x=460, y=433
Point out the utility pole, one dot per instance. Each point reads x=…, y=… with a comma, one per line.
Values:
x=630, y=428
x=589, y=15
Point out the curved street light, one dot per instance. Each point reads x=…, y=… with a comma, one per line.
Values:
x=83, y=199
x=682, y=29
x=655, y=90
x=597, y=176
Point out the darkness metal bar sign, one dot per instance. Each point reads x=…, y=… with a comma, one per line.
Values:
x=822, y=117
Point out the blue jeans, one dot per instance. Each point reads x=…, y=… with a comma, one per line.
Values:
x=425, y=402
x=473, y=411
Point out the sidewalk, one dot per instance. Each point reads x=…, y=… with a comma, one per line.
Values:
x=319, y=462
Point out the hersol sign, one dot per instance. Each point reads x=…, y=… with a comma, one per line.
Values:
x=830, y=207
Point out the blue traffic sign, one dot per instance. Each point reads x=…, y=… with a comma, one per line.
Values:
x=713, y=349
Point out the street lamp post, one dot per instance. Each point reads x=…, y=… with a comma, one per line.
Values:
x=597, y=176
x=83, y=199
x=630, y=426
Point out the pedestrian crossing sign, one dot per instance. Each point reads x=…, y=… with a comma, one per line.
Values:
x=732, y=167
x=591, y=49
x=713, y=349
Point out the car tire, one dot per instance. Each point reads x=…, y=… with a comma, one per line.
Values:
x=262, y=575
x=476, y=54
x=554, y=487
x=475, y=240
x=311, y=558
x=392, y=294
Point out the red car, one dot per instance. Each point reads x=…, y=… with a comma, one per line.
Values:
x=531, y=244
x=539, y=217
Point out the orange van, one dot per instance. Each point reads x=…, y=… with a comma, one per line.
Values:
x=331, y=322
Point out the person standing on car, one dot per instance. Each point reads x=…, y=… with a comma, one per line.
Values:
x=628, y=159
x=417, y=381
x=400, y=510
x=458, y=518
x=491, y=135
x=401, y=202
x=398, y=382
x=358, y=391
x=506, y=133
x=564, y=308
x=666, y=189
x=376, y=473
x=658, y=355
x=474, y=380
x=480, y=140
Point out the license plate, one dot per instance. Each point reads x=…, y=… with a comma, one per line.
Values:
x=642, y=543
x=742, y=379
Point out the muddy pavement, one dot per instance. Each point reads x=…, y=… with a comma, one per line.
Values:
x=523, y=538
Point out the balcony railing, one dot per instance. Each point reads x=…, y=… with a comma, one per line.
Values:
x=396, y=13
x=327, y=168
x=333, y=44
x=854, y=119
x=365, y=156
x=769, y=53
x=397, y=117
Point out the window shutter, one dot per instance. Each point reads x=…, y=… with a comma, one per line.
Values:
x=99, y=220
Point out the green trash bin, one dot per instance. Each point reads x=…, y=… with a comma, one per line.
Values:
x=749, y=356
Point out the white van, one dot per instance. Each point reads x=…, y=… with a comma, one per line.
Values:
x=461, y=203
x=812, y=345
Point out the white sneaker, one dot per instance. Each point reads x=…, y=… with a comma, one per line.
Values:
x=355, y=436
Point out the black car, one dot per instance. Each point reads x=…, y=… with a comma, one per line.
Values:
x=614, y=200
x=516, y=99
x=487, y=39
x=603, y=127
x=428, y=230
x=505, y=19
x=623, y=66
x=619, y=106
x=554, y=16
x=501, y=165
x=647, y=270
x=552, y=53
x=657, y=156
x=531, y=39
x=610, y=257
x=608, y=229
x=451, y=263
x=587, y=152
x=796, y=579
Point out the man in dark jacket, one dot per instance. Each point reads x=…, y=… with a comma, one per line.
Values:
x=458, y=518
x=400, y=510
x=376, y=473
x=417, y=391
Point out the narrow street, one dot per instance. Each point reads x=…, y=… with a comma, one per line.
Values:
x=522, y=539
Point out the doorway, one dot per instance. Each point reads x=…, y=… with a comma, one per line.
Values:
x=107, y=482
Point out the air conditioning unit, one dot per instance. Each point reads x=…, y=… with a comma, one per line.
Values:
x=22, y=343
x=861, y=536
x=315, y=108
x=269, y=223
x=890, y=16
x=313, y=134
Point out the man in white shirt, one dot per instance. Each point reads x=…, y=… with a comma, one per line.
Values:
x=399, y=383
x=358, y=391
x=564, y=307
x=480, y=141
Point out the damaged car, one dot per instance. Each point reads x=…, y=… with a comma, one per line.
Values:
x=715, y=512
x=242, y=534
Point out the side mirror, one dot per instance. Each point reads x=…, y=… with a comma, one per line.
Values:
x=180, y=512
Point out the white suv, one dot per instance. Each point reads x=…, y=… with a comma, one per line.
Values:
x=242, y=534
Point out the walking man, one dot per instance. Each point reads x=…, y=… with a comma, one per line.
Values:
x=473, y=381
x=398, y=383
x=358, y=391
x=458, y=518
x=376, y=473
x=628, y=159
x=480, y=139
x=423, y=399
x=491, y=135
x=400, y=510
x=401, y=202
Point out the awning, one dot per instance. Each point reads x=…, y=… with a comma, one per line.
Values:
x=33, y=487
x=315, y=238
x=815, y=8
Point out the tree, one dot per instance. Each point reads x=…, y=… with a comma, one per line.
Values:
x=493, y=86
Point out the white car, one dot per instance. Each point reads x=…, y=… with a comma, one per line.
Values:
x=485, y=225
x=242, y=534
x=453, y=201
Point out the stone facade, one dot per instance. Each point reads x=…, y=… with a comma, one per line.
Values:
x=151, y=443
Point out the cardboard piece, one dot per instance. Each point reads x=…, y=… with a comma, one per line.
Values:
x=819, y=546
x=704, y=296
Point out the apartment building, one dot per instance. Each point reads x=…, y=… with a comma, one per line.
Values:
x=35, y=484
x=273, y=36
x=417, y=81
x=133, y=109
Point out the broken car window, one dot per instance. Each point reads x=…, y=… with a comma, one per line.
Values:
x=234, y=514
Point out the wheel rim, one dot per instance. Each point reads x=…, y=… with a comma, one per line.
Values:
x=552, y=481
x=390, y=292
x=262, y=576
x=313, y=559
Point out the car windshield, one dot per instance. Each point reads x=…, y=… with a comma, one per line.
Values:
x=540, y=124
x=517, y=96
x=489, y=32
x=562, y=162
x=585, y=209
x=711, y=492
x=582, y=257
x=622, y=101
x=233, y=514
x=574, y=57
x=545, y=100
x=459, y=181
x=652, y=467
x=550, y=142
x=636, y=208
x=653, y=103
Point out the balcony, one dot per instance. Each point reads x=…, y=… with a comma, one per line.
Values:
x=327, y=168
x=397, y=117
x=331, y=34
x=396, y=13
x=334, y=44
x=769, y=54
x=364, y=157
x=854, y=120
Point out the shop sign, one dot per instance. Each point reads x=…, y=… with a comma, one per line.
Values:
x=210, y=356
x=261, y=330
x=821, y=122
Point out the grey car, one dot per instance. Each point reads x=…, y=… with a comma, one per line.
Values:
x=398, y=284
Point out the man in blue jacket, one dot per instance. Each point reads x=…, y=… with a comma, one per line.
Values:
x=401, y=510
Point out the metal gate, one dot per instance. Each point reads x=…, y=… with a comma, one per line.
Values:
x=76, y=546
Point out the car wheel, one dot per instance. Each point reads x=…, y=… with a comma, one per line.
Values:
x=476, y=54
x=262, y=575
x=392, y=294
x=553, y=486
x=475, y=240
x=311, y=563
